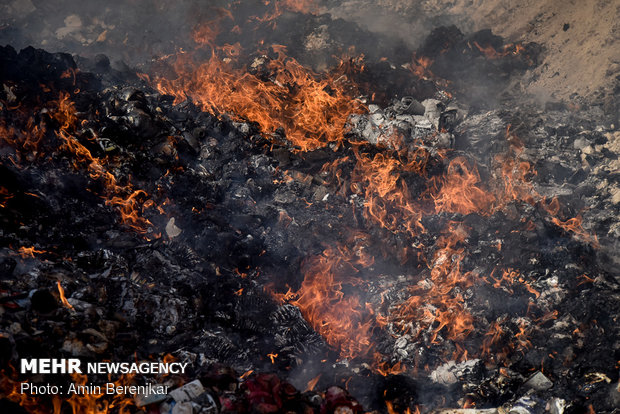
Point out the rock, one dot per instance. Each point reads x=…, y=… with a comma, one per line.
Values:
x=580, y=143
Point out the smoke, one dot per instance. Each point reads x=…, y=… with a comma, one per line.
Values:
x=137, y=31
x=405, y=20
x=134, y=31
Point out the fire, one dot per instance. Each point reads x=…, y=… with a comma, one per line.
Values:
x=275, y=8
x=340, y=318
x=521, y=337
x=435, y=305
x=300, y=6
x=287, y=100
x=312, y=110
x=312, y=383
x=585, y=279
x=517, y=186
x=246, y=374
x=26, y=252
x=63, y=299
x=385, y=368
x=4, y=194
x=492, y=337
x=491, y=53
x=573, y=225
x=295, y=100
x=28, y=142
x=388, y=201
x=390, y=409
x=420, y=66
x=509, y=279
x=459, y=191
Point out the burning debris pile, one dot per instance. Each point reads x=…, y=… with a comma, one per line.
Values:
x=346, y=239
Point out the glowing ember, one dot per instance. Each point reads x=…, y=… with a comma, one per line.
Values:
x=312, y=383
x=509, y=49
x=420, y=67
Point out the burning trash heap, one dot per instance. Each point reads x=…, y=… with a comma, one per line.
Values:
x=306, y=233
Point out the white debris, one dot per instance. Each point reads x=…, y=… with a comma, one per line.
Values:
x=187, y=392
x=73, y=24
x=538, y=382
x=524, y=405
x=172, y=230
x=450, y=372
x=432, y=111
x=404, y=122
x=556, y=406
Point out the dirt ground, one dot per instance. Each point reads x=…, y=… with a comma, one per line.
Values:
x=581, y=38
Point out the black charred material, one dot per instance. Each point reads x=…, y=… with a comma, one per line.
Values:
x=231, y=216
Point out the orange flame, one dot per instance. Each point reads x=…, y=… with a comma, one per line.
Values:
x=435, y=304
x=311, y=110
x=460, y=191
x=123, y=197
x=26, y=252
x=63, y=299
x=420, y=66
x=4, y=192
x=312, y=383
x=340, y=318
x=491, y=53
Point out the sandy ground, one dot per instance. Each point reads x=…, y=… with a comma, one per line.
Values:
x=581, y=38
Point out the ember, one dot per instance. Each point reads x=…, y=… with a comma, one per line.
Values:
x=301, y=215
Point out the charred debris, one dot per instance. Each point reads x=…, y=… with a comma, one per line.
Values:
x=138, y=225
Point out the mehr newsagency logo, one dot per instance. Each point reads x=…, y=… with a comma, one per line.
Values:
x=75, y=366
